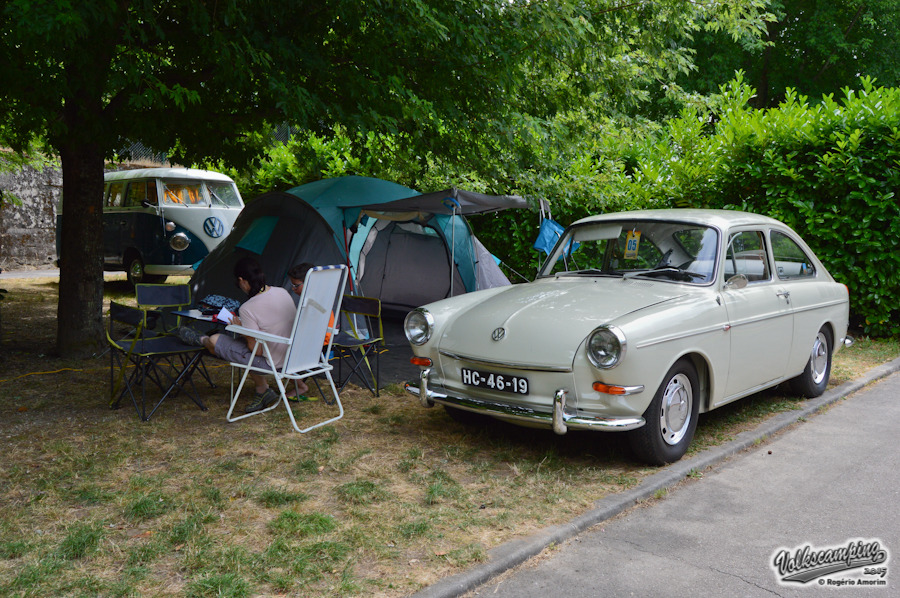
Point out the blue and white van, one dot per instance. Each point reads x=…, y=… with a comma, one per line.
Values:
x=159, y=222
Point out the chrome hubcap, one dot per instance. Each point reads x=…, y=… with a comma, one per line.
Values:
x=675, y=412
x=137, y=271
x=818, y=361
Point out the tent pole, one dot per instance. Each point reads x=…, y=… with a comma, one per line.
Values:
x=452, y=248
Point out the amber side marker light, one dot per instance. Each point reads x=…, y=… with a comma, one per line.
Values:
x=420, y=361
x=607, y=389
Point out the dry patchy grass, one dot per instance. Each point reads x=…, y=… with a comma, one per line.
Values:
x=388, y=500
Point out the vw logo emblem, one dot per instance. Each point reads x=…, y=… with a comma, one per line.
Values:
x=213, y=227
x=498, y=334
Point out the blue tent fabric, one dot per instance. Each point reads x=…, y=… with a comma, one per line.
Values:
x=257, y=236
x=340, y=200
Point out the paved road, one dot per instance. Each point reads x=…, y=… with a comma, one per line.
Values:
x=833, y=478
x=38, y=273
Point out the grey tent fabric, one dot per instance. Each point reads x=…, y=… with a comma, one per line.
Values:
x=279, y=230
x=406, y=267
x=488, y=274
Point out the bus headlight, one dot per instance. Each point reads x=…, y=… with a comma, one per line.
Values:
x=179, y=241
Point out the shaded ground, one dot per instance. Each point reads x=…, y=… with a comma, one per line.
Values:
x=395, y=365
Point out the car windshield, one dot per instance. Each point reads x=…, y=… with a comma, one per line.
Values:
x=224, y=194
x=664, y=250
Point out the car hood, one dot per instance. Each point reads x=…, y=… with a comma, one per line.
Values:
x=545, y=322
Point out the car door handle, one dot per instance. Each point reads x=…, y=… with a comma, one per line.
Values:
x=785, y=294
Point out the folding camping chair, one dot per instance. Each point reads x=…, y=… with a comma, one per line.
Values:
x=359, y=341
x=164, y=361
x=308, y=346
x=158, y=302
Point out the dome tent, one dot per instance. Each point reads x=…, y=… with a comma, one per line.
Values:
x=403, y=247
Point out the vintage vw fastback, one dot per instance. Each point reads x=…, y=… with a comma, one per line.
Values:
x=637, y=322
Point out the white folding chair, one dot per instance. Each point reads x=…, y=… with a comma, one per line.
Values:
x=307, y=353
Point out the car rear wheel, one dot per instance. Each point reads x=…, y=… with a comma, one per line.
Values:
x=814, y=379
x=671, y=418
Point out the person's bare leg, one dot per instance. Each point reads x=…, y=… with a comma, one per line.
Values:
x=258, y=379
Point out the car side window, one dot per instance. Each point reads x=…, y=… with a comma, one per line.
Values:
x=746, y=254
x=116, y=193
x=137, y=193
x=791, y=262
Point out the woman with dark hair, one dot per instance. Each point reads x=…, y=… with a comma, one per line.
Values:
x=249, y=269
x=268, y=309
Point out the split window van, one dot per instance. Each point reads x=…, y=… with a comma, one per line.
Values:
x=159, y=222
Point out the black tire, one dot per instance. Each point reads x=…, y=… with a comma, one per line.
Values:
x=671, y=418
x=814, y=379
x=134, y=270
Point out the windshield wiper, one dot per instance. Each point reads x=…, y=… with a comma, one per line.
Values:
x=217, y=198
x=591, y=272
x=675, y=272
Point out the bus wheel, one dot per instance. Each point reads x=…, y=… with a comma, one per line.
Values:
x=134, y=269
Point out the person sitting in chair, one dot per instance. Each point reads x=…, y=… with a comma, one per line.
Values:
x=268, y=309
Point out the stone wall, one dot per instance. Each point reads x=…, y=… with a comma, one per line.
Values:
x=28, y=231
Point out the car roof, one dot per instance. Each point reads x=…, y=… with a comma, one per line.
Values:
x=165, y=173
x=723, y=219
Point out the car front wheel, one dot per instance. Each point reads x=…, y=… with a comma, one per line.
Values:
x=135, y=271
x=814, y=379
x=671, y=418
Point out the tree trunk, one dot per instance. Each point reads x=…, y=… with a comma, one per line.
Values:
x=80, y=311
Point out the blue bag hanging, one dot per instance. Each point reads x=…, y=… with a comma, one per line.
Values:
x=548, y=235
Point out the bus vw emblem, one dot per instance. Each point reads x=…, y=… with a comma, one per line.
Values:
x=498, y=334
x=213, y=227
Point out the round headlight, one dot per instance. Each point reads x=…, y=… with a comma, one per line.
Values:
x=418, y=326
x=606, y=347
x=179, y=241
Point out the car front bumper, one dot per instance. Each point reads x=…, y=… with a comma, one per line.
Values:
x=560, y=420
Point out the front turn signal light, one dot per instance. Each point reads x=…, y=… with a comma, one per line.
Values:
x=424, y=362
x=607, y=389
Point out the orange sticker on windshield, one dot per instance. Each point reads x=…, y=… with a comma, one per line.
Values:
x=632, y=242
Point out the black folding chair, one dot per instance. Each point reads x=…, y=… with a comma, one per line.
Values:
x=163, y=361
x=158, y=301
x=360, y=340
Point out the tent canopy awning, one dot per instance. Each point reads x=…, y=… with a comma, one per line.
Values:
x=453, y=200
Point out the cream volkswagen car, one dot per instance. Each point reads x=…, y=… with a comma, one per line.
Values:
x=637, y=323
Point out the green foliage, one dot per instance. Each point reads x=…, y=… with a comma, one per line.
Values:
x=829, y=170
x=814, y=46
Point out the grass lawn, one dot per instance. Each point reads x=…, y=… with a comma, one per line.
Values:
x=382, y=503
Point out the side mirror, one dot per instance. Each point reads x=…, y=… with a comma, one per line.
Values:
x=736, y=282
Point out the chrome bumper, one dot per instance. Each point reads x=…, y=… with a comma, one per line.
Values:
x=558, y=419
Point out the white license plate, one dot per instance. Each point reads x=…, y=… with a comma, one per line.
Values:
x=501, y=382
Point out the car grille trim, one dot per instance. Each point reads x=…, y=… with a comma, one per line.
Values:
x=505, y=364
